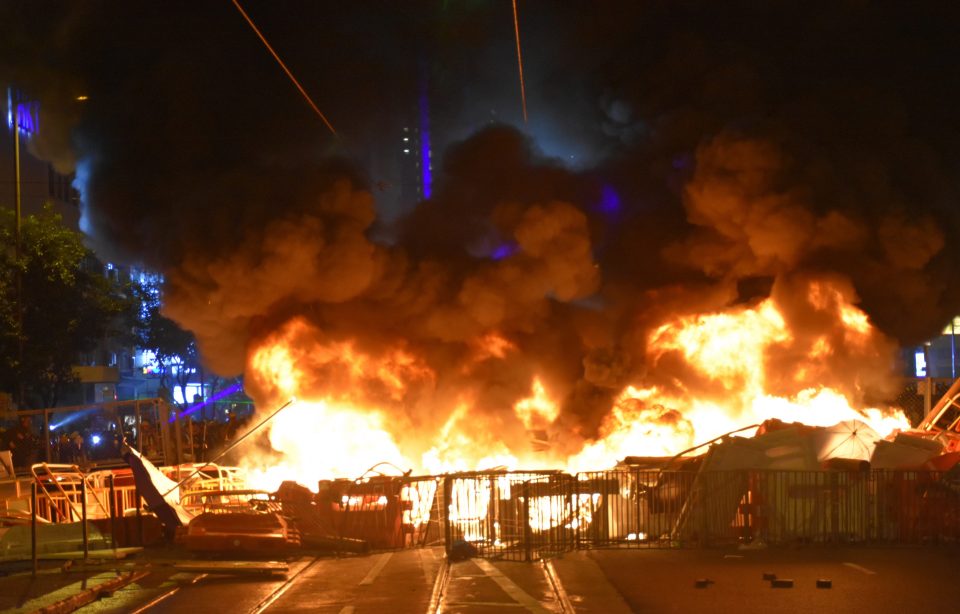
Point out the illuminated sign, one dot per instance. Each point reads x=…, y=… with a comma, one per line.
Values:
x=26, y=113
x=920, y=364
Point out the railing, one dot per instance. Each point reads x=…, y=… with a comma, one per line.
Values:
x=525, y=517
x=64, y=491
x=384, y=512
x=531, y=515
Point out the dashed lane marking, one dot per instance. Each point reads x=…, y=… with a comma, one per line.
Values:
x=554, y=579
x=510, y=588
x=860, y=568
x=424, y=567
x=377, y=568
x=170, y=593
x=496, y=604
x=439, y=586
x=272, y=598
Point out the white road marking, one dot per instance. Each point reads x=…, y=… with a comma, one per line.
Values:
x=554, y=579
x=266, y=603
x=377, y=568
x=497, y=604
x=439, y=586
x=515, y=592
x=167, y=594
x=425, y=568
x=861, y=568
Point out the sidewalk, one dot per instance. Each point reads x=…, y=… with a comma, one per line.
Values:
x=64, y=575
x=22, y=592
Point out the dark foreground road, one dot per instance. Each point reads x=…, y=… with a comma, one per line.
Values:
x=864, y=580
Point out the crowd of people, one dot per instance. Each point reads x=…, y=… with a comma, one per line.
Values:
x=22, y=442
x=205, y=439
x=92, y=439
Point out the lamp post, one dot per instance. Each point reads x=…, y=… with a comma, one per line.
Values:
x=15, y=109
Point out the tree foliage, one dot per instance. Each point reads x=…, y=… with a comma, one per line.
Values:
x=67, y=307
x=174, y=349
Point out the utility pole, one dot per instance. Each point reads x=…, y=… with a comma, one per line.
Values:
x=18, y=248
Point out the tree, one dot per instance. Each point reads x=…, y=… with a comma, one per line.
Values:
x=174, y=349
x=68, y=306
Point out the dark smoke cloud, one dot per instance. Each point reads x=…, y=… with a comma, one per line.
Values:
x=740, y=151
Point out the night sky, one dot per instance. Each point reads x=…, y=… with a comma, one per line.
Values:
x=678, y=155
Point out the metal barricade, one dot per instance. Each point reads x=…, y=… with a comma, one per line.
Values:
x=515, y=516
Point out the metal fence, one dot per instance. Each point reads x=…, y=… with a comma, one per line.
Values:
x=518, y=516
x=525, y=516
x=91, y=434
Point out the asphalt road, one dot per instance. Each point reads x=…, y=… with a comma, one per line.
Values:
x=873, y=580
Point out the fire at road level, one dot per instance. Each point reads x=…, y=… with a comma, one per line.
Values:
x=806, y=359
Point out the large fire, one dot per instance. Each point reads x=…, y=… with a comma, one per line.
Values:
x=357, y=408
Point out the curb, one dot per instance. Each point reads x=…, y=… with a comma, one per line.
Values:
x=104, y=589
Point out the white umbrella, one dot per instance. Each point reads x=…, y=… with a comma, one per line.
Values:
x=848, y=439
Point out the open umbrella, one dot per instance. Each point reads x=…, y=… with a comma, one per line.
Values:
x=848, y=439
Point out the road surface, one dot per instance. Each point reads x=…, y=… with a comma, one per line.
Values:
x=873, y=580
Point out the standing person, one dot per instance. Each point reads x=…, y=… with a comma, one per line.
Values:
x=77, y=453
x=23, y=443
x=232, y=428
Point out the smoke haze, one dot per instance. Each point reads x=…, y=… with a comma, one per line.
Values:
x=682, y=157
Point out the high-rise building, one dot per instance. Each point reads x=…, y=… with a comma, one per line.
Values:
x=40, y=182
x=42, y=185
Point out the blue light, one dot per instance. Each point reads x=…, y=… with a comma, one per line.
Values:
x=28, y=117
x=95, y=440
x=71, y=418
x=920, y=364
x=609, y=200
x=223, y=393
x=426, y=173
x=26, y=114
x=504, y=251
x=80, y=181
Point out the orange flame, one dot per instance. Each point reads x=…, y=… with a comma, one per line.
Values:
x=357, y=405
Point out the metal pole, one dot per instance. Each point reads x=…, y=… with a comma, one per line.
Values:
x=927, y=381
x=18, y=249
x=445, y=513
x=953, y=349
x=113, y=512
x=46, y=435
x=527, y=533
x=193, y=448
x=139, y=414
x=177, y=438
x=136, y=495
x=33, y=525
x=83, y=516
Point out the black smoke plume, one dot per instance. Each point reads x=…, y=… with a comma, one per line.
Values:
x=736, y=151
